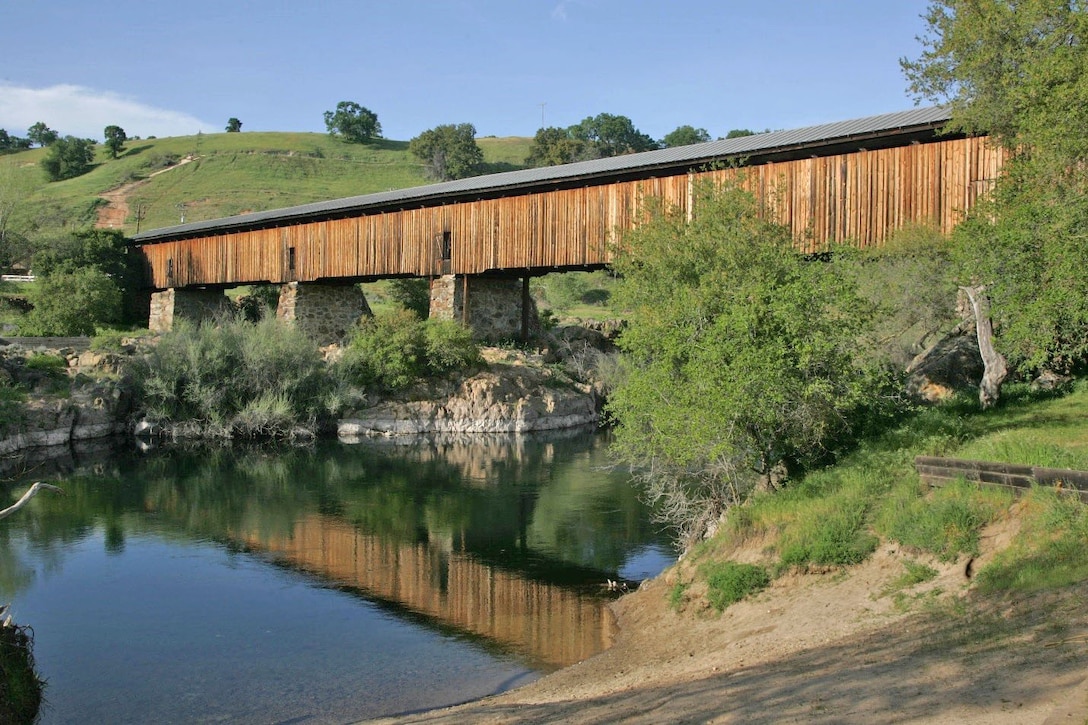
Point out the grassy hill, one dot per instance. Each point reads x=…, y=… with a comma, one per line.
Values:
x=224, y=174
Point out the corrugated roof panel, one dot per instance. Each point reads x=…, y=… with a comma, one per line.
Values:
x=681, y=155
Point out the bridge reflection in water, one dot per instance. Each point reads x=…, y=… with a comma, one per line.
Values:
x=549, y=624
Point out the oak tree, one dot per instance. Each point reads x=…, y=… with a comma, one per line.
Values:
x=115, y=140
x=448, y=151
x=685, y=136
x=352, y=122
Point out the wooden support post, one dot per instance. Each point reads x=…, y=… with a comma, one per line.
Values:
x=525, y=307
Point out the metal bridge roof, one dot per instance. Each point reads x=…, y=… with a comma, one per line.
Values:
x=680, y=156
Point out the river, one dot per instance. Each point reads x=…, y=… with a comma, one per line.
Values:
x=323, y=584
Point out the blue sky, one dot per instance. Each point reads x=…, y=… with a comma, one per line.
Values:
x=173, y=67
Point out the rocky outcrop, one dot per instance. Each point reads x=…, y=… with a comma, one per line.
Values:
x=72, y=396
x=951, y=365
x=510, y=396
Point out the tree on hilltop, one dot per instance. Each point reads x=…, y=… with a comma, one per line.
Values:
x=115, y=140
x=41, y=134
x=68, y=157
x=233, y=125
x=594, y=137
x=685, y=136
x=609, y=135
x=448, y=151
x=553, y=146
x=11, y=144
x=352, y=122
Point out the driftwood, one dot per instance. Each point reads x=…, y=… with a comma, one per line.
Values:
x=27, y=496
x=994, y=369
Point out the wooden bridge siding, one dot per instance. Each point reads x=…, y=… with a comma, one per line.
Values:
x=847, y=197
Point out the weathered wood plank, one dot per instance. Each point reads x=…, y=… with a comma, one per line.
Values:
x=938, y=471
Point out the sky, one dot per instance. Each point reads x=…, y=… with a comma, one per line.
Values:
x=509, y=67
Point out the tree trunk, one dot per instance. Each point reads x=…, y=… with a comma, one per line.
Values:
x=994, y=371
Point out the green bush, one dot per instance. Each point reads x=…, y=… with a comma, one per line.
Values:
x=73, y=303
x=729, y=582
x=251, y=379
x=394, y=350
x=449, y=346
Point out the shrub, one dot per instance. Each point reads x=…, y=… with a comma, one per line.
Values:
x=729, y=582
x=394, y=350
x=72, y=303
x=385, y=351
x=448, y=346
x=248, y=378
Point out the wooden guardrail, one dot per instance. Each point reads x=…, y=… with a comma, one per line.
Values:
x=939, y=471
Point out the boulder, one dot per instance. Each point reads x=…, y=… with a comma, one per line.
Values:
x=952, y=364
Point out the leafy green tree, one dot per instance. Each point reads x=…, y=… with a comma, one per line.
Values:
x=68, y=158
x=72, y=303
x=739, y=133
x=1019, y=71
x=11, y=144
x=685, y=136
x=115, y=140
x=106, y=250
x=1008, y=68
x=608, y=135
x=233, y=125
x=352, y=122
x=553, y=146
x=411, y=293
x=740, y=355
x=41, y=134
x=448, y=151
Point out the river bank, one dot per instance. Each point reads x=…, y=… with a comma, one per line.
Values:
x=68, y=394
x=824, y=647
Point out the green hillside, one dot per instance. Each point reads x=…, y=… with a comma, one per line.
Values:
x=208, y=176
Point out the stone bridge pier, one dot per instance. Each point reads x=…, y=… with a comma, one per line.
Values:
x=325, y=311
x=496, y=308
x=197, y=305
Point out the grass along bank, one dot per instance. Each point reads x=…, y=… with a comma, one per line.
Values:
x=838, y=516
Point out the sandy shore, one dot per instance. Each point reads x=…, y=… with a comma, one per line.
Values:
x=828, y=647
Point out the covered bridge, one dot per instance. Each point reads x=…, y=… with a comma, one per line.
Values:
x=480, y=239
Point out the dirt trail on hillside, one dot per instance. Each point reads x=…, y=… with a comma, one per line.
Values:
x=822, y=648
x=116, y=210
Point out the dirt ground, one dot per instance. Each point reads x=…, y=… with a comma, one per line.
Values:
x=829, y=647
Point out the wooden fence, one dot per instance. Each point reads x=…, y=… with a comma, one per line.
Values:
x=939, y=471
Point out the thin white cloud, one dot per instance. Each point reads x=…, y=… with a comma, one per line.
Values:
x=559, y=12
x=85, y=112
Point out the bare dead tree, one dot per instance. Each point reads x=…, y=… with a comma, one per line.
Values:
x=994, y=368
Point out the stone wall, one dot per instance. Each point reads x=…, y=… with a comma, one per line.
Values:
x=493, y=304
x=325, y=311
x=183, y=304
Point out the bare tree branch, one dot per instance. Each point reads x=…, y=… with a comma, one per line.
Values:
x=27, y=496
